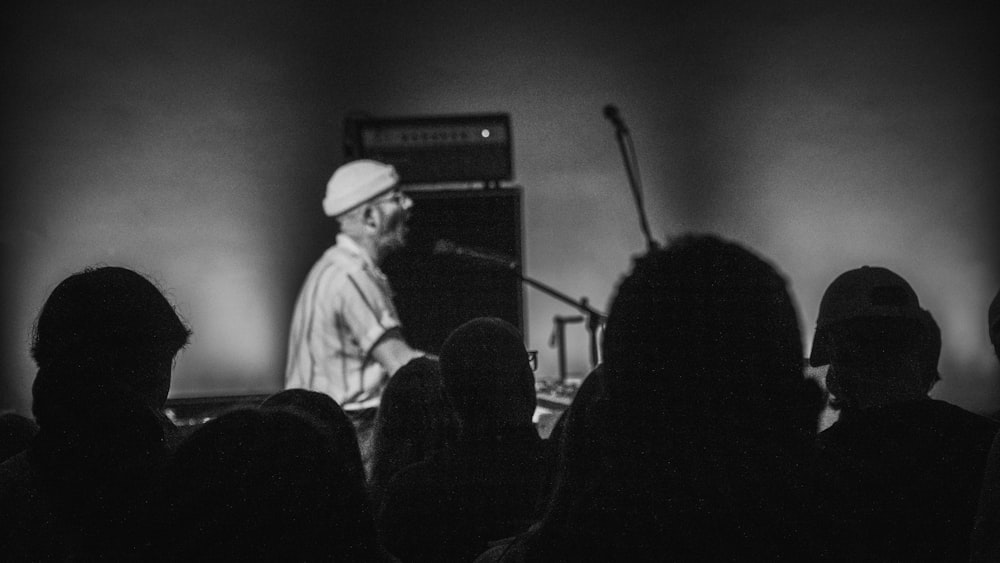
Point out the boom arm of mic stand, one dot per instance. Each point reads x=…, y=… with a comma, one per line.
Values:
x=594, y=317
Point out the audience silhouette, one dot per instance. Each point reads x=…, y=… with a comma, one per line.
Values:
x=266, y=484
x=901, y=472
x=330, y=417
x=587, y=393
x=413, y=421
x=985, y=545
x=16, y=432
x=484, y=486
x=695, y=439
x=104, y=344
x=986, y=530
x=575, y=437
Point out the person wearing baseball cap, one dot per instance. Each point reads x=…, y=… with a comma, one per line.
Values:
x=985, y=540
x=900, y=470
x=345, y=339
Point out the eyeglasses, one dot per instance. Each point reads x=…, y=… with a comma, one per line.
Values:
x=533, y=359
x=397, y=197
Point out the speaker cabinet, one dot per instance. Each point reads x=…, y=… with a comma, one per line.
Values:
x=437, y=292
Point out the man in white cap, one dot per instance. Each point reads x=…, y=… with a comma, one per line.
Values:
x=345, y=337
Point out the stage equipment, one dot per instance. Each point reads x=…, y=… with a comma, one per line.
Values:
x=462, y=260
x=435, y=149
x=436, y=291
x=492, y=259
x=631, y=168
x=558, y=340
x=498, y=262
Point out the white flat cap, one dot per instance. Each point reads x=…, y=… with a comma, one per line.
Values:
x=355, y=183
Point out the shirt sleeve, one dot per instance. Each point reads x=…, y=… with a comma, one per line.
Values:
x=367, y=309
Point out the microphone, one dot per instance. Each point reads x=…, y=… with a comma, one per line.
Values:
x=449, y=248
x=611, y=113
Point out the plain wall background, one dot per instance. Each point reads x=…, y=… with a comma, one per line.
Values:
x=192, y=141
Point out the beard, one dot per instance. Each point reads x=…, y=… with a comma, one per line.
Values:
x=394, y=232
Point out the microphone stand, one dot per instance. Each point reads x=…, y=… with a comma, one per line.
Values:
x=594, y=317
x=624, y=139
x=558, y=339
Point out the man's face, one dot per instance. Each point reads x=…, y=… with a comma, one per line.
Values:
x=394, y=208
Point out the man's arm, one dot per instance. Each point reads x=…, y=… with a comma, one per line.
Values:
x=393, y=352
x=369, y=314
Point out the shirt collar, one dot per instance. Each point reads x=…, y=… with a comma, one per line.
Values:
x=351, y=247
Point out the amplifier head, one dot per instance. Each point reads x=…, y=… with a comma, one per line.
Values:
x=435, y=149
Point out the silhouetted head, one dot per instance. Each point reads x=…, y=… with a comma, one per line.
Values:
x=330, y=417
x=876, y=338
x=487, y=376
x=16, y=432
x=104, y=335
x=265, y=485
x=706, y=330
x=414, y=419
x=700, y=421
x=865, y=293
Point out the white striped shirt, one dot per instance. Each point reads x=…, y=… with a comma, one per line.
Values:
x=343, y=310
